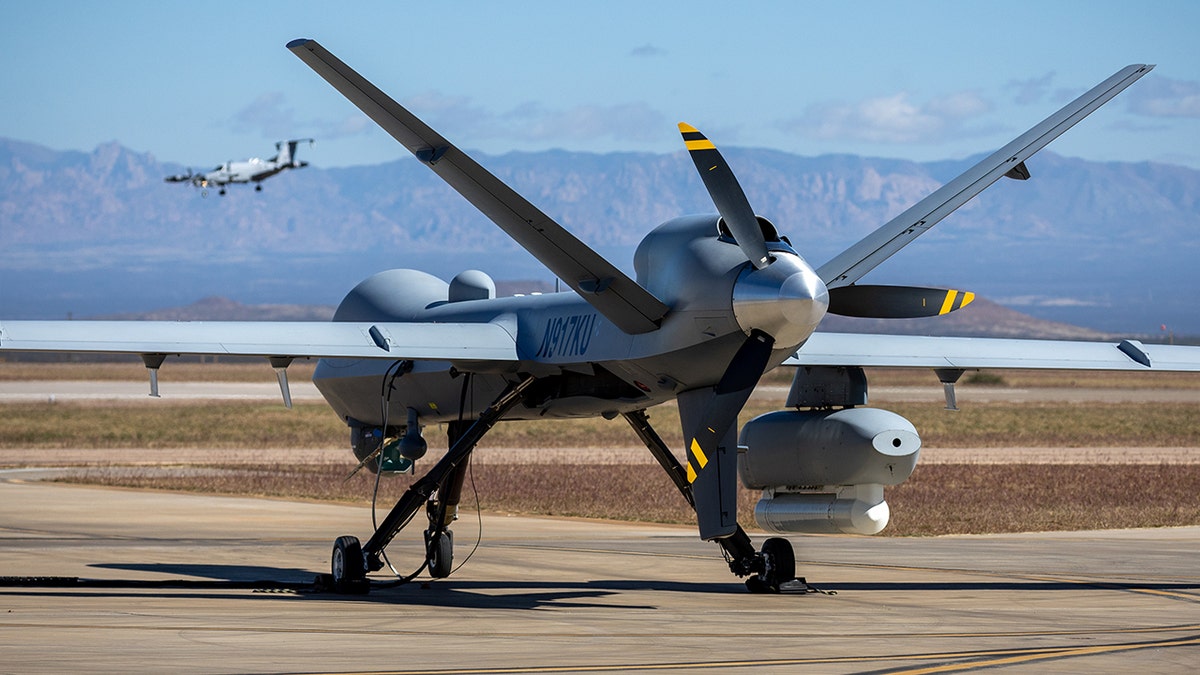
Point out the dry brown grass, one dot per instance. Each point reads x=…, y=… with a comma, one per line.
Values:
x=938, y=499
x=1056, y=425
x=312, y=425
x=207, y=425
x=969, y=498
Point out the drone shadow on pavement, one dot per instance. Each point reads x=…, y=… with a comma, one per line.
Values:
x=208, y=580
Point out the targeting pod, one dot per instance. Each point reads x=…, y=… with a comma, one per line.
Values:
x=823, y=471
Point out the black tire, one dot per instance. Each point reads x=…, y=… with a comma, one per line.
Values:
x=439, y=551
x=780, y=560
x=346, y=567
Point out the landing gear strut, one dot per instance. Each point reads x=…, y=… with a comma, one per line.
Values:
x=351, y=561
x=442, y=510
x=766, y=571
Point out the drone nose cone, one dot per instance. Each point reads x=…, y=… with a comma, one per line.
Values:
x=803, y=299
x=787, y=300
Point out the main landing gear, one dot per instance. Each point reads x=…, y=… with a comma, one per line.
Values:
x=442, y=511
x=769, y=570
x=349, y=574
x=351, y=561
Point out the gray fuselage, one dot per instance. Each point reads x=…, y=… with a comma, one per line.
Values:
x=585, y=365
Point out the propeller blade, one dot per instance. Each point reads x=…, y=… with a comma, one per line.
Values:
x=747, y=365
x=727, y=195
x=896, y=302
x=709, y=419
x=734, y=389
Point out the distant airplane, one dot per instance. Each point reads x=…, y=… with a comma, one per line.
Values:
x=245, y=171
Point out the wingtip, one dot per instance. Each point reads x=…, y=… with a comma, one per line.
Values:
x=298, y=42
x=685, y=128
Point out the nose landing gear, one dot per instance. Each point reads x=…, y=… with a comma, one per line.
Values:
x=771, y=570
x=778, y=567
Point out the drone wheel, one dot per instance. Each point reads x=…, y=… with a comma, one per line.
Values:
x=440, y=552
x=346, y=566
x=781, y=560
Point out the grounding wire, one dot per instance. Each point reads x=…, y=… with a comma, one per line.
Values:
x=462, y=406
x=478, y=517
x=387, y=386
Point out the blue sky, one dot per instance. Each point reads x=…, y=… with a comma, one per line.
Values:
x=199, y=83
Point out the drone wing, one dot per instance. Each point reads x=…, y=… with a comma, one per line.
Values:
x=911, y=351
x=850, y=265
x=291, y=339
x=610, y=291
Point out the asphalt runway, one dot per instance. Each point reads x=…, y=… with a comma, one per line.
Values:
x=201, y=584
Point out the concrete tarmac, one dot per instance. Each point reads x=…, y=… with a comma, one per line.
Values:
x=201, y=584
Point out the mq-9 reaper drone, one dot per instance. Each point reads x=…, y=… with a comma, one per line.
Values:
x=717, y=300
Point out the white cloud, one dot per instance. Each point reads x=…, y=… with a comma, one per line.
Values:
x=532, y=122
x=647, y=50
x=1164, y=97
x=1046, y=301
x=890, y=119
x=959, y=106
x=1033, y=90
x=266, y=114
x=271, y=117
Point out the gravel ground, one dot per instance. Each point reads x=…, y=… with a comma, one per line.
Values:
x=71, y=390
x=629, y=455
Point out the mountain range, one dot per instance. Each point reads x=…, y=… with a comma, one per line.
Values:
x=1109, y=246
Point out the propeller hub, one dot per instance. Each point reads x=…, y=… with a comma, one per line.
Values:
x=787, y=300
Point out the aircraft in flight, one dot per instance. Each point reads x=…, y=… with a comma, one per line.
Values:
x=717, y=300
x=253, y=170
